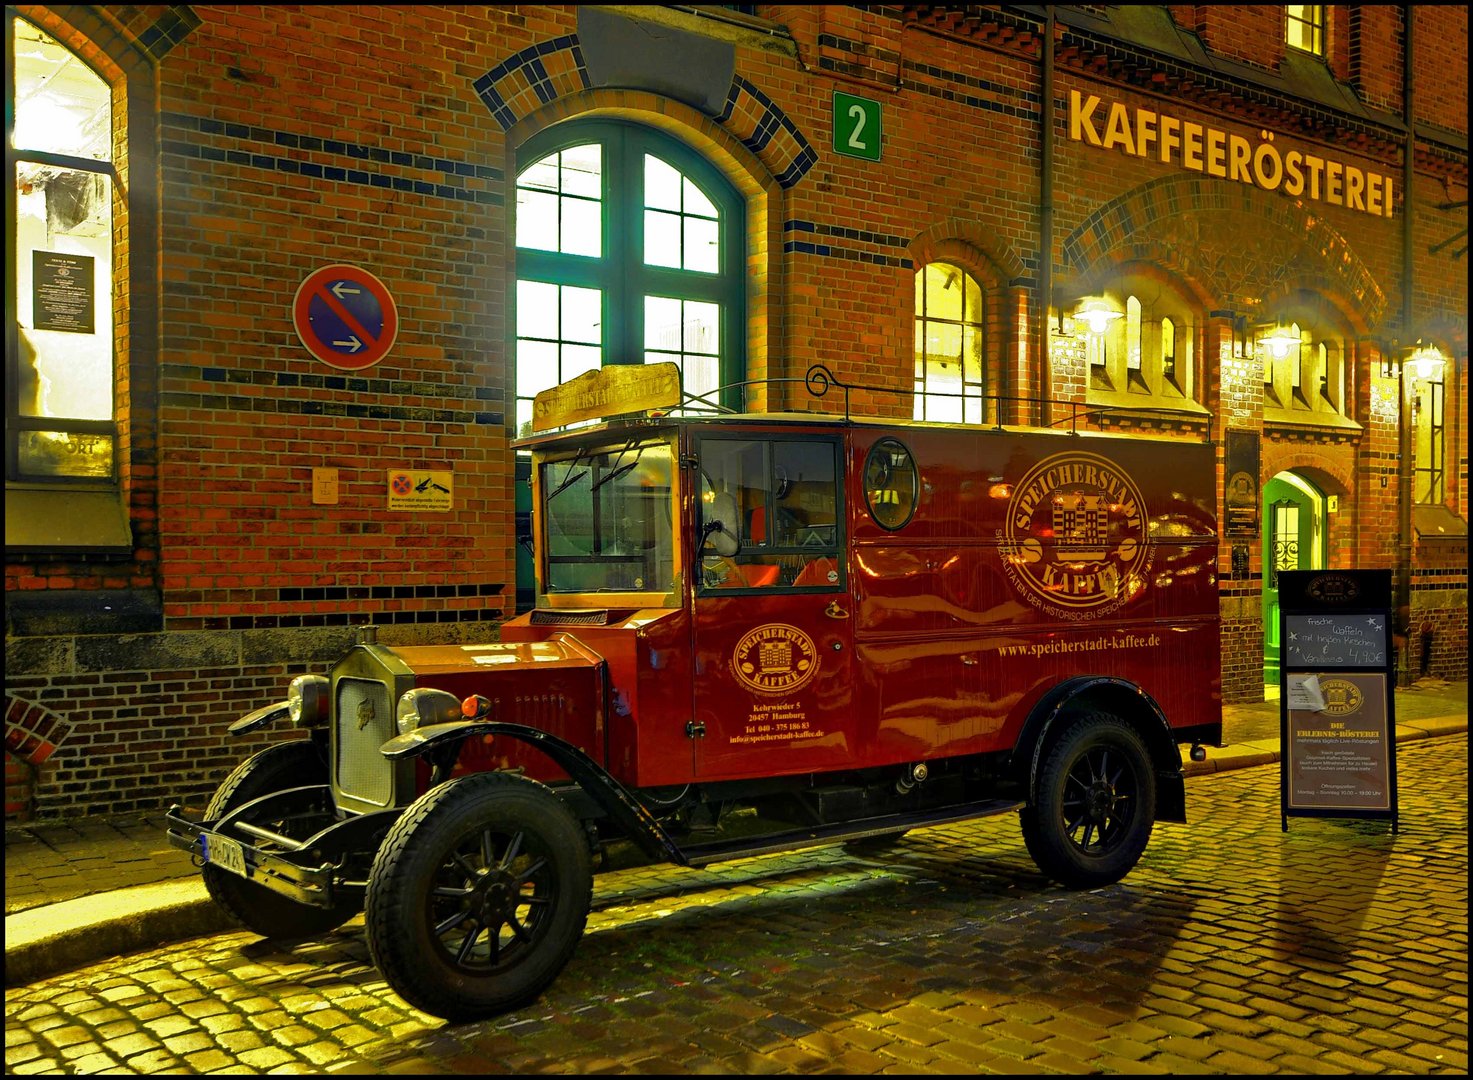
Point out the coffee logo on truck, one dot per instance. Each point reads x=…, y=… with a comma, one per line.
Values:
x=1075, y=541
x=774, y=659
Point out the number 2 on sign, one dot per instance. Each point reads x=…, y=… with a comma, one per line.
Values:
x=856, y=113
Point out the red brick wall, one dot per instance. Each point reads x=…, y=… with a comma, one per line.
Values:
x=295, y=137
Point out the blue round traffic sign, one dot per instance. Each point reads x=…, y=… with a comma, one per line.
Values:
x=345, y=316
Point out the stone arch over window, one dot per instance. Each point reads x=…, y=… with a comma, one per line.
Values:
x=1237, y=243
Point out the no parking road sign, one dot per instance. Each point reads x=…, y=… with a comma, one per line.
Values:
x=345, y=316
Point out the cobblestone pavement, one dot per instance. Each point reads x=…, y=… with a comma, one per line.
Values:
x=1235, y=947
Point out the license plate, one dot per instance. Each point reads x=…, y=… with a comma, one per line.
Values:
x=224, y=852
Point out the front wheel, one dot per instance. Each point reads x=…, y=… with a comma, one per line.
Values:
x=270, y=914
x=1095, y=805
x=478, y=896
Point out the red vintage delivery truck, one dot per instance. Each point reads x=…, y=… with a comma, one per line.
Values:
x=752, y=632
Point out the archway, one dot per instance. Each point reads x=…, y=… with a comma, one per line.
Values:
x=1294, y=538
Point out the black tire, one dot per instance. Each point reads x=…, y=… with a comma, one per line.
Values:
x=1095, y=805
x=276, y=768
x=478, y=896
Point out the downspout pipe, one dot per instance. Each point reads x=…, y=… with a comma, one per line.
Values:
x=1405, y=464
x=1046, y=225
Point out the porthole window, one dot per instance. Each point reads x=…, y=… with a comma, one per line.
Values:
x=890, y=484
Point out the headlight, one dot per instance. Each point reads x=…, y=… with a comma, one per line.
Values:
x=306, y=701
x=423, y=706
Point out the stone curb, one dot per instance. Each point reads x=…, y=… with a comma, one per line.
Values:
x=53, y=938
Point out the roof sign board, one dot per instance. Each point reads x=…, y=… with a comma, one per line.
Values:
x=607, y=391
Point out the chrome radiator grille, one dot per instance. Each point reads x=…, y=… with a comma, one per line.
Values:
x=365, y=721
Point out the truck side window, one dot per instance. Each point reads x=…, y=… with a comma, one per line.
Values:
x=890, y=484
x=787, y=497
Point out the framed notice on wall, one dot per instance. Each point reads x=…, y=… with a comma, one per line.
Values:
x=1240, y=512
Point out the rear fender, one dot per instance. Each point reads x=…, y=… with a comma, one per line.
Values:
x=443, y=741
x=1105, y=693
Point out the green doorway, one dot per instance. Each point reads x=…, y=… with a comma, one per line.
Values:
x=1293, y=539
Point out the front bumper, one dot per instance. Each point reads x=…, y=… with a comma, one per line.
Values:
x=326, y=869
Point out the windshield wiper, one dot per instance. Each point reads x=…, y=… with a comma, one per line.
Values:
x=570, y=476
x=618, y=470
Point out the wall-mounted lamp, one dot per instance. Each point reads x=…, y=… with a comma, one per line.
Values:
x=1280, y=342
x=1097, y=315
x=1425, y=362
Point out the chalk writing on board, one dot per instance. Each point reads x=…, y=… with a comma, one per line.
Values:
x=1335, y=640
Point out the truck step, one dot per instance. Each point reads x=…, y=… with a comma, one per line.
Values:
x=790, y=840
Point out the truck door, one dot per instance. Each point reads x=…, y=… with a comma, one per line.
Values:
x=773, y=626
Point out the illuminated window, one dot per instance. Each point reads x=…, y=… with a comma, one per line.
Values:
x=1305, y=363
x=60, y=422
x=1304, y=28
x=630, y=249
x=1140, y=340
x=950, y=338
x=1427, y=478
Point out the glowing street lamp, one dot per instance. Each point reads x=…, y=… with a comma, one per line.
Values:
x=1098, y=316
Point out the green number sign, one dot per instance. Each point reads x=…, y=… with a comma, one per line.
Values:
x=856, y=126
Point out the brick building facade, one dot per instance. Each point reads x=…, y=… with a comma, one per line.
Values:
x=1207, y=179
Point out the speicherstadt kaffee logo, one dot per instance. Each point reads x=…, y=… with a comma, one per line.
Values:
x=774, y=659
x=1342, y=697
x=1075, y=541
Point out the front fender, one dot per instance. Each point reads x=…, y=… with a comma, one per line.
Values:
x=254, y=721
x=611, y=796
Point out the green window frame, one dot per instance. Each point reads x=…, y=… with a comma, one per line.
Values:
x=615, y=230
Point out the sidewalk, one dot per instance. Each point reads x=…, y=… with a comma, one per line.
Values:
x=80, y=891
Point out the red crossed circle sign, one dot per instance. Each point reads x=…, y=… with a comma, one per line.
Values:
x=345, y=316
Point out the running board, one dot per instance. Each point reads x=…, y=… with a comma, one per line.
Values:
x=741, y=847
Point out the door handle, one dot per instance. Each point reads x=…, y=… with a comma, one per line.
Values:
x=834, y=611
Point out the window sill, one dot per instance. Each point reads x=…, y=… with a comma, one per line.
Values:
x=1306, y=420
x=41, y=518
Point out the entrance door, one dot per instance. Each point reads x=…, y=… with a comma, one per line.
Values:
x=1292, y=540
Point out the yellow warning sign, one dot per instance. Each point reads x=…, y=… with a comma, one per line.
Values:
x=421, y=489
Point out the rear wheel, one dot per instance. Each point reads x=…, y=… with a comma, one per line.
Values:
x=478, y=896
x=1095, y=805
x=276, y=768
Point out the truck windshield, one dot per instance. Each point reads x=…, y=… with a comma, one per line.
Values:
x=607, y=522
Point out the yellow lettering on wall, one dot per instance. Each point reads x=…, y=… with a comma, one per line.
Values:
x=1332, y=182
x=1080, y=124
x=1145, y=130
x=1238, y=153
x=1373, y=193
x=1170, y=140
x=1191, y=145
x=1354, y=181
x=1117, y=131
x=1295, y=184
x=1216, y=152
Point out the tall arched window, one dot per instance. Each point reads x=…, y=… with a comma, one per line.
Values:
x=630, y=249
x=950, y=345
x=60, y=424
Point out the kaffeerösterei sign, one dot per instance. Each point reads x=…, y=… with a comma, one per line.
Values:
x=1227, y=155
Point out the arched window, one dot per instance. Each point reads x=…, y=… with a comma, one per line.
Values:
x=950, y=345
x=1140, y=343
x=60, y=377
x=1305, y=354
x=630, y=249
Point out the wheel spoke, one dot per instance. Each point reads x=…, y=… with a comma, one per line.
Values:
x=451, y=923
x=469, y=942
x=518, y=929
x=488, y=849
x=525, y=875
x=445, y=892
x=468, y=868
x=513, y=848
